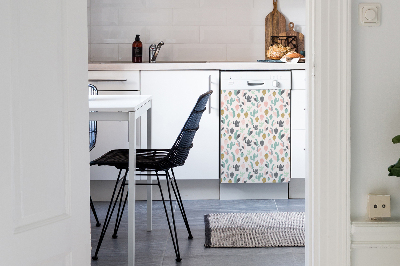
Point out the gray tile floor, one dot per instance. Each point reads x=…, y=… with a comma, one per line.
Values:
x=155, y=248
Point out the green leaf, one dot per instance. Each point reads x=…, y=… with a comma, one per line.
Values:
x=394, y=170
x=396, y=139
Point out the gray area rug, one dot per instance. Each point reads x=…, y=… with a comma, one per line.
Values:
x=238, y=230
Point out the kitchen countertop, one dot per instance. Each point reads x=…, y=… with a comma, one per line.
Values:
x=195, y=66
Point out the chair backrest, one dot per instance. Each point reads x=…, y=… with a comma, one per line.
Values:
x=180, y=150
x=92, y=124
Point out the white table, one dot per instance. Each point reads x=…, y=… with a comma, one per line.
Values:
x=127, y=108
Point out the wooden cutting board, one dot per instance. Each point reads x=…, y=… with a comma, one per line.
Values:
x=275, y=23
x=292, y=32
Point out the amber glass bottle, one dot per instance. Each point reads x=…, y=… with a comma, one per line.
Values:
x=137, y=50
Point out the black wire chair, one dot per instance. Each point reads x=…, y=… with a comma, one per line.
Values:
x=92, y=143
x=154, y=160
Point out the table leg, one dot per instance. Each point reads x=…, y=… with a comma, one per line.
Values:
x=132, y=190
x=149, y=178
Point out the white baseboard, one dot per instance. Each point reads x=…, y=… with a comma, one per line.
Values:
x=253, y=191
x=297, y=188
x=375, y=243
x=101, y=190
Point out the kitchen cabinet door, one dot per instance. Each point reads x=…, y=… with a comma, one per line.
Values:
x=298, y=124
x=174, y=96
x=298, y=79
x=298, y=109
x=115, y=80
x=298, y=154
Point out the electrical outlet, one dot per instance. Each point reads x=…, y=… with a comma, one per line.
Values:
x=378, y=206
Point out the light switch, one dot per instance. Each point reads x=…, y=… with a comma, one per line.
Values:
x=369, y=14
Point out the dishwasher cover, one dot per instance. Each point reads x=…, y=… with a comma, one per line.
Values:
x=255, y=136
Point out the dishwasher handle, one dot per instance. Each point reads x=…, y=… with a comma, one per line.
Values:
x=209, y=89
x=249, y=83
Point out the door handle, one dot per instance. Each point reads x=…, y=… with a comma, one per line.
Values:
x=209, y=89
x=254, y=83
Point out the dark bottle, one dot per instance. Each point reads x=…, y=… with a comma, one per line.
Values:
x=137, y=50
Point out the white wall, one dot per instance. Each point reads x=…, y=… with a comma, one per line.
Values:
x=375, y=108
x=193, y=30
x=375, y=120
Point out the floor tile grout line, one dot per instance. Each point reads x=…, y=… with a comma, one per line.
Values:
x=276, y=205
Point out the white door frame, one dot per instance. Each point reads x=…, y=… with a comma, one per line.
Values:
x=329, y=82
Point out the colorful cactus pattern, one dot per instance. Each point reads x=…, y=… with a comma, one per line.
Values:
x=255, y=136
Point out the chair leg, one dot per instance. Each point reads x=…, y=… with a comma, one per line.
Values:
x=109, y=212
x=174, y=239
x=120, y=211
x=94, y=213
x=180, y=203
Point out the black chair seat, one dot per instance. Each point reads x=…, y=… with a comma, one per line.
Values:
x=117, y=158
x=146, y=159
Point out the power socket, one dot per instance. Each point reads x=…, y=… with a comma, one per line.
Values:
x=378, y=206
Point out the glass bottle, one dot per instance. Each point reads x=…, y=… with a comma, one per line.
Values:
x=137, y=50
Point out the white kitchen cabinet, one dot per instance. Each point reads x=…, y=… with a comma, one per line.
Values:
x=298, y=112
x=298, y=124
x=174, y=96
x=298, y=154
x=115, y=80
x=298, y=79
x=112, y=134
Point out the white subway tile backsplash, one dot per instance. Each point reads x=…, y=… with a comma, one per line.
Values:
x=173, y=34
x=89, y=52
x=145, y=17
x=105, y=16
x=214, y=3
x=172, y=3
x=232, y=35
x=246, y=53
x=115, y=34
x=226, y=3
x=104, y=52
x=266, y=5
x=119, y=3
x=258, y=35
x=88, y=16
x=89, y=33
x=294, y=10
x=199, y=52
x=246, y=17
x=239, y=4
x=224, y=34
x=125, y=52
x=199, y=16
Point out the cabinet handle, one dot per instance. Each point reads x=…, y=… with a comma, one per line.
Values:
x=254, y=83
x=209, y=99
x=100, y=80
